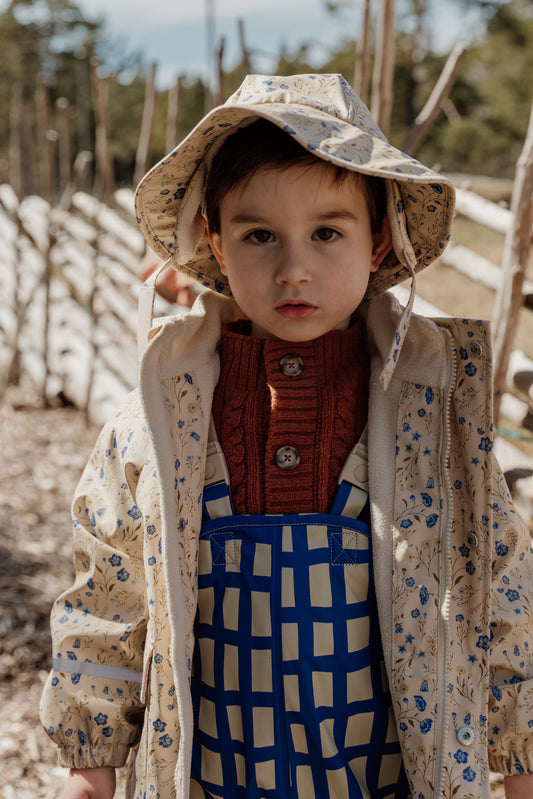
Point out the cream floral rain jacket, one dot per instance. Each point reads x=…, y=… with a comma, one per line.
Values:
x=452, y=561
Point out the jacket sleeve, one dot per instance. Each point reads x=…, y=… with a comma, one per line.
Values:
x=510, y=707
x=91, y=705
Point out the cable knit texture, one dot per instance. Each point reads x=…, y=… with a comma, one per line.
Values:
x=321, y=412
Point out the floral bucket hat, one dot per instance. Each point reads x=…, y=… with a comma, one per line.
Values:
x=323, y=113
x=325, y=116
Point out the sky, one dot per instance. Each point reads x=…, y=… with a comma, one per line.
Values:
x=173, y=33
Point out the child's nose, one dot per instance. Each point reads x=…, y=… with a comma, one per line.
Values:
x=293, y=265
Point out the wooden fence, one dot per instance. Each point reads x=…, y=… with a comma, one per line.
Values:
x=69, y=284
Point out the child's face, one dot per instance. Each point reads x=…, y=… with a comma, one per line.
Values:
x=297, y=250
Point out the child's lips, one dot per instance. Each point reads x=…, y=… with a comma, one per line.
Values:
x=295, y=309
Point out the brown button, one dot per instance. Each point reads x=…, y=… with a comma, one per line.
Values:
x=291, y=365
x=287, y=457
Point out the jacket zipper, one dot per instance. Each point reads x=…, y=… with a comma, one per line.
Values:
x=442, y=693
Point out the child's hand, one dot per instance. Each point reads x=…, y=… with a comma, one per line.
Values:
x=90, y=783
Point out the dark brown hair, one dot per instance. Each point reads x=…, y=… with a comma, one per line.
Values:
x=262, y=145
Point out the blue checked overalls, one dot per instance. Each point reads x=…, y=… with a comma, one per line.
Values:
x=289, y=689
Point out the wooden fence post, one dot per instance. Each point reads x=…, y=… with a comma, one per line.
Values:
x=147, y=122
x=436, y=99
x=12, y=373
x=210, y=48
x=15, y=125
x=46, y=141
x=46, y=279
x=514, y=260
x=361, y=78
x=103, y=178
x=383, y=74
x=63, y=129
x=23, y=300
x=83, y=105
x=245, y=54
x=27, y=147
x=79, y=170
x=171, y=136
x=219, y=92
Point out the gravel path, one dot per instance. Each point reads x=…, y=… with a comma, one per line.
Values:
x=43, y=454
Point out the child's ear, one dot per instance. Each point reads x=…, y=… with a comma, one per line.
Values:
x=216, y=245
x=382, y=244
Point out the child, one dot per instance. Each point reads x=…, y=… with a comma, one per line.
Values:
x=273, y=623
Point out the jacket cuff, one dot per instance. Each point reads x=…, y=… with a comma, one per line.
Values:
x=509, y=763
x=99, y=758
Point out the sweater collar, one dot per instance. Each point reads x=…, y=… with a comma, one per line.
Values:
x=334, y=354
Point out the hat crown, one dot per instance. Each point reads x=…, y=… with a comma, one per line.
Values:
x=329, y=94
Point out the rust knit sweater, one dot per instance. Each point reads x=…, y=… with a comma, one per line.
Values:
x=320, y=412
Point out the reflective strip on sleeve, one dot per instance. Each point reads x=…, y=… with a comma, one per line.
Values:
x=96, y=670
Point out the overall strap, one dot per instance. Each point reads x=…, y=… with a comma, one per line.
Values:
x=351, y=498
x=352, y=495
x=216, y=499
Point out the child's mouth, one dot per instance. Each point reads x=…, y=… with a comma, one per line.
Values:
x=295, y=309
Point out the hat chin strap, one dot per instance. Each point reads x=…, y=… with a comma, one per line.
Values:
x=405, y=253
x=190, y=223
x=145, y=308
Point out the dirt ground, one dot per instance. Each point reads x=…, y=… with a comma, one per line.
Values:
x=43, y=453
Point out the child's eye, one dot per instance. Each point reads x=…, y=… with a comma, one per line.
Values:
x=325, y=234
x=260, y=236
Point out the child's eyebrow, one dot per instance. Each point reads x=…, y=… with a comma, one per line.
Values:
x=320, y=216
x=341, y=213
x=247, y=219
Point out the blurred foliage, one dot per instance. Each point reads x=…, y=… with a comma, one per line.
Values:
x=487, y=114
x=492, y=96
x=50, y=42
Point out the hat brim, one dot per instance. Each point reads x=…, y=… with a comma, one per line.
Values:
x=425, y=200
